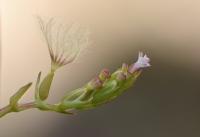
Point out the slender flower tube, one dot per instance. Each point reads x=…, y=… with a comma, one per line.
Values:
x=64, y=42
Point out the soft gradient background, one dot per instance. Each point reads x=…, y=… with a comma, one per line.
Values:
x=165, y=101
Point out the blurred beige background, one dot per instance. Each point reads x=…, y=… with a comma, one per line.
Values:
x=165, y=101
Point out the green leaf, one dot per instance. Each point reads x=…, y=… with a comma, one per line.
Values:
x=45, y=86
x=16, y=97
x=37, y=87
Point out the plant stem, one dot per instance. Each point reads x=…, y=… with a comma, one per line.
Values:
x=21, y=107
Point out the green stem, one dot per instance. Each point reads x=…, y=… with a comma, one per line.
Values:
x=21, y=107
x=5, y=111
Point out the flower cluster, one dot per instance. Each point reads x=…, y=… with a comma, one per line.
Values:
x=105, y=87
x=64, y=44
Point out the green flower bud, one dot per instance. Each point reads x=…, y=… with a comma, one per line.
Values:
x=45, y=86
x=76, y=99
x=73, y=95
x=124, y=68
x=105, y=92
x=111, y=90
x=121, y=76
x=80, y=98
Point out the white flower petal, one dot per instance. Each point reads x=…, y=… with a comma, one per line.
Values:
x=142, y=62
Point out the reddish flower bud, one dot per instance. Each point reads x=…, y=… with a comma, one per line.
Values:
x=95, y=83
x=105, y=74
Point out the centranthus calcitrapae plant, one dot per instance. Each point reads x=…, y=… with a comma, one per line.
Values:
x=64, y=45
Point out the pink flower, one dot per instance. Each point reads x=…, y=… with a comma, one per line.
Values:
x=142, y=62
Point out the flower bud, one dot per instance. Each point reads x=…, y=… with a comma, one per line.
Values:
x=94, y=84
x=105, y=74
x=45, y=86
x=124, y=67
x=121, y=76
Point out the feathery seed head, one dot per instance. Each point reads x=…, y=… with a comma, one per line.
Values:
x=64, y=42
